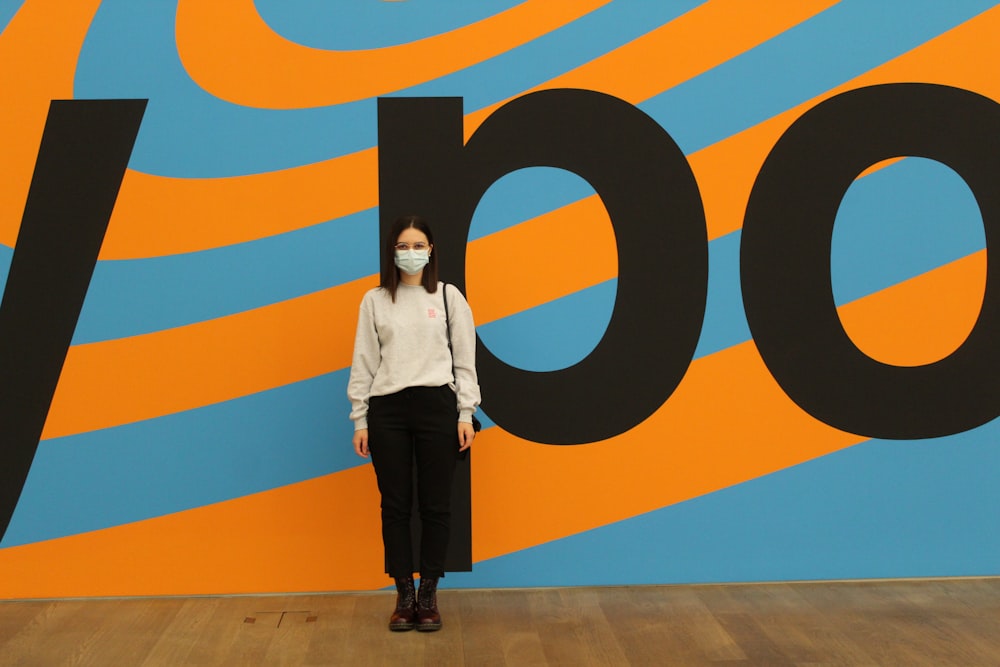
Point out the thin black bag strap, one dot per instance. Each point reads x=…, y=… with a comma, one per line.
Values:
x=447, y=328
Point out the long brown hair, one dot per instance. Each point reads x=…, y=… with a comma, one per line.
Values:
x=389, y=278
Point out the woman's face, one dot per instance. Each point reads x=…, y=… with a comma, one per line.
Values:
x=413, y=239
x=413, y=252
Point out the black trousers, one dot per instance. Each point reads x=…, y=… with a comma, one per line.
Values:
x=414, y=427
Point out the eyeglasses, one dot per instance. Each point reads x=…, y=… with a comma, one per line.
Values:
x=419, y=245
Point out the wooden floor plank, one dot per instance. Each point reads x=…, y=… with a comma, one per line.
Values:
x=654, y=627
x=496, y=627
x=913, y=623
x=182, y=637
x=60, y=634
x=333, y=631
x=790, y=623
x=573, y=629
x=128, y=639
x=11, y=625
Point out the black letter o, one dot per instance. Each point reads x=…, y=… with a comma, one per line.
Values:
x=785, y=261
x=655, y=208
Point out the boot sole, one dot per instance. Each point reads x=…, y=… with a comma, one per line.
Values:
x=402, y=627
x=428, y=627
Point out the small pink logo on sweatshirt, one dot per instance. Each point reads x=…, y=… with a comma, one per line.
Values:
x=431, y=313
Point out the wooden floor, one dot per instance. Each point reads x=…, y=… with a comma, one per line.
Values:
x=924, y=622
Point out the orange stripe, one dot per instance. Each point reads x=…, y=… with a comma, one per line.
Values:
x=319, y=535
x=157, y=216
x=728, y=422
x=691, y=44
x=38, y=52
x=234, y=55
x=545, y=271
x=943, y=305
x=131, y=379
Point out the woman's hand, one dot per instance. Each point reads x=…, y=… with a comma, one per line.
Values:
x=466, y=434
x=361, y=442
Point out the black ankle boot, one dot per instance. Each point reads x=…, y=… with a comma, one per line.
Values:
x=428, y=617
x=405, y=616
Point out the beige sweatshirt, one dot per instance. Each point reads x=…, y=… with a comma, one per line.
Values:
x=405, y=344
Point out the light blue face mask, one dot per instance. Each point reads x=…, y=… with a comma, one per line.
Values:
x=412, y=262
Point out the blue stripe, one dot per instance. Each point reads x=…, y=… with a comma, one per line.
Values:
x=525, y=194
x=843, y=42
x=131, y=297
x=128, y=473
x=555, y=335
x=923, y=508
x=6, y=255
x=594, y=35
x=321, y=24
x=7, y=12
x=901, y=221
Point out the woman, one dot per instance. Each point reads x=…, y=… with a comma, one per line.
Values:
x=412, y=401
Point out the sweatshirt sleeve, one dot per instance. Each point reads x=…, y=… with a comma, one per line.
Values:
x=463, y=342
x=364, y=363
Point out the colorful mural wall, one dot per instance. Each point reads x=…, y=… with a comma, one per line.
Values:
x=737, y=314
